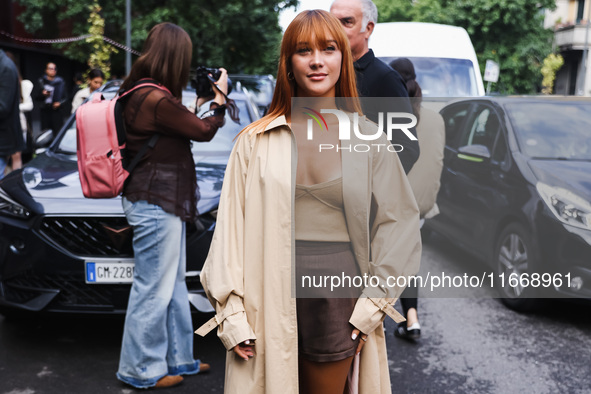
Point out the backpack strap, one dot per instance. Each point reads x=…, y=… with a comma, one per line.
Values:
x=148, y=145
x=120, y=123
x=122, y=99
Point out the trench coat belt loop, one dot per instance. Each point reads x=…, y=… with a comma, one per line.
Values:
x=388, y=309
x=217, y=320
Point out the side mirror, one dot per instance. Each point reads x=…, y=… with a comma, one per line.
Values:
x=43, y=140
x=476, y=153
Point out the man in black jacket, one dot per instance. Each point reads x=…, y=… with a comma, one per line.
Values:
x=374, y=77
x=11, y=134
x=50, y=92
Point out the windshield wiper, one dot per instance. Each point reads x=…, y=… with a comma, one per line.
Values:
x=562, y=158
x=549, y=158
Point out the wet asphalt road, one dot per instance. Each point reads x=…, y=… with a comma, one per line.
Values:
x=468, y=345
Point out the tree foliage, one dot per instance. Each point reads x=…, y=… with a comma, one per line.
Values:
x=509, y=32
x=240, y=35
x=552, y=64
x=100, y=57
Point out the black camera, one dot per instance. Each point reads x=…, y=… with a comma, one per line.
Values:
x=203, y=77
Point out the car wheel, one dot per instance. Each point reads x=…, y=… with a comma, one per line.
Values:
x=514, y=256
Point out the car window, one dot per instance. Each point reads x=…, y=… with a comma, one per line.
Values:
x=483, y=129
x=552, y=130
x=501, y=152
x=454, y=117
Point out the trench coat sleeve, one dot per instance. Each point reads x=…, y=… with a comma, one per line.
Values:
x=222, y=275
x=395, y=241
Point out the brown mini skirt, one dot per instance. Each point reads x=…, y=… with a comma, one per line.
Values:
x=324, y=309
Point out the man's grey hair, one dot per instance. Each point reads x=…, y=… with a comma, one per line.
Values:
x=370, y=13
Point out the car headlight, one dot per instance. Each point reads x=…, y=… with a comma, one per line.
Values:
x=12, y=208
x=568, y=207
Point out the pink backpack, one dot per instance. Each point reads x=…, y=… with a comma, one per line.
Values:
x=101, y=144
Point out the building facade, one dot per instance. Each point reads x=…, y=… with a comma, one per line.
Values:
x=572, y=35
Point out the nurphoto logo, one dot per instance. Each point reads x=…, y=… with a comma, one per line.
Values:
x=381, y=119
x=345, y=129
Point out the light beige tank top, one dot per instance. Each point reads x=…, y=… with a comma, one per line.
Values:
x=319, y=212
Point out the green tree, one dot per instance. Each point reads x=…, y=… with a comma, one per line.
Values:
x=240, y=35
x=509, y=32
x=100, y=56
x=394, y=10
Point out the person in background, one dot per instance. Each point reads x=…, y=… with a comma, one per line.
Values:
x=374, y=77
x=424, y=179
x=316, y=343
x=160, y=196
x=78, y=80
x=50, y=93
x=25, y=106
x=95, y=80
x=11, y=135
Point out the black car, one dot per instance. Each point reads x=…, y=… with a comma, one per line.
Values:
x=61, y=252
x=516, y=191
x=260, y=88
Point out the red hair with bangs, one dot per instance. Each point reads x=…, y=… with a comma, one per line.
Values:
x=315, y=27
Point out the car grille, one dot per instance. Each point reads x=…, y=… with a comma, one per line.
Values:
x=74, y=294
x=90, y=236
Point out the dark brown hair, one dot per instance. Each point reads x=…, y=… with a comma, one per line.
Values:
x=166, y=58
x=407, y=71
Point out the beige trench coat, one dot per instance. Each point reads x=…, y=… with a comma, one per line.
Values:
x=248, y=273
x=424, y=177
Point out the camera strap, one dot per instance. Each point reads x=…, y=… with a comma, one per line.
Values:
x=230, y=105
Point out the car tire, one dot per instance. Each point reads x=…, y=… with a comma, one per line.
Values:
x=515, y=254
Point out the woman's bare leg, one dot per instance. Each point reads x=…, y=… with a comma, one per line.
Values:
x=324, y=378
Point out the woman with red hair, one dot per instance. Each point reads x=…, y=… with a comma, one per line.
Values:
x=290, y=210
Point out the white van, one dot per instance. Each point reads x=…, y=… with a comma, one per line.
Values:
x=443, y=56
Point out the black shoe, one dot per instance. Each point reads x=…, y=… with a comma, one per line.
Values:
x=413, y=333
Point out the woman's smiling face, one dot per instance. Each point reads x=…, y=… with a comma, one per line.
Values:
x=316, y=68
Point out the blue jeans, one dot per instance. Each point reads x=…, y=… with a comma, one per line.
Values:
x=158, y=334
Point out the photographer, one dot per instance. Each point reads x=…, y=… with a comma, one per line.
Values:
x=159, y=197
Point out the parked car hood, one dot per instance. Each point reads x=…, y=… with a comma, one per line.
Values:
x=52, y=181
x=569, y=174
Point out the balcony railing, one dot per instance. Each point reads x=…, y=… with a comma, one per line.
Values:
x=572, y=36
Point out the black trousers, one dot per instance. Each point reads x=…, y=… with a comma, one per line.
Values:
x=52, y=119
x=409, y=298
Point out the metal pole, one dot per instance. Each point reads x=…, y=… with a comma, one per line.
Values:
x=581, y=89
x=127, y=36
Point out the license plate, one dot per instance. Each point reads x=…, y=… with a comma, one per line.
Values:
x=98, y=271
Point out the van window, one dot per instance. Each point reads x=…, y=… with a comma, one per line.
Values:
x=441, y=77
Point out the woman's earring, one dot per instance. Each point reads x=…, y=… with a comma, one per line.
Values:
x=290, y=76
